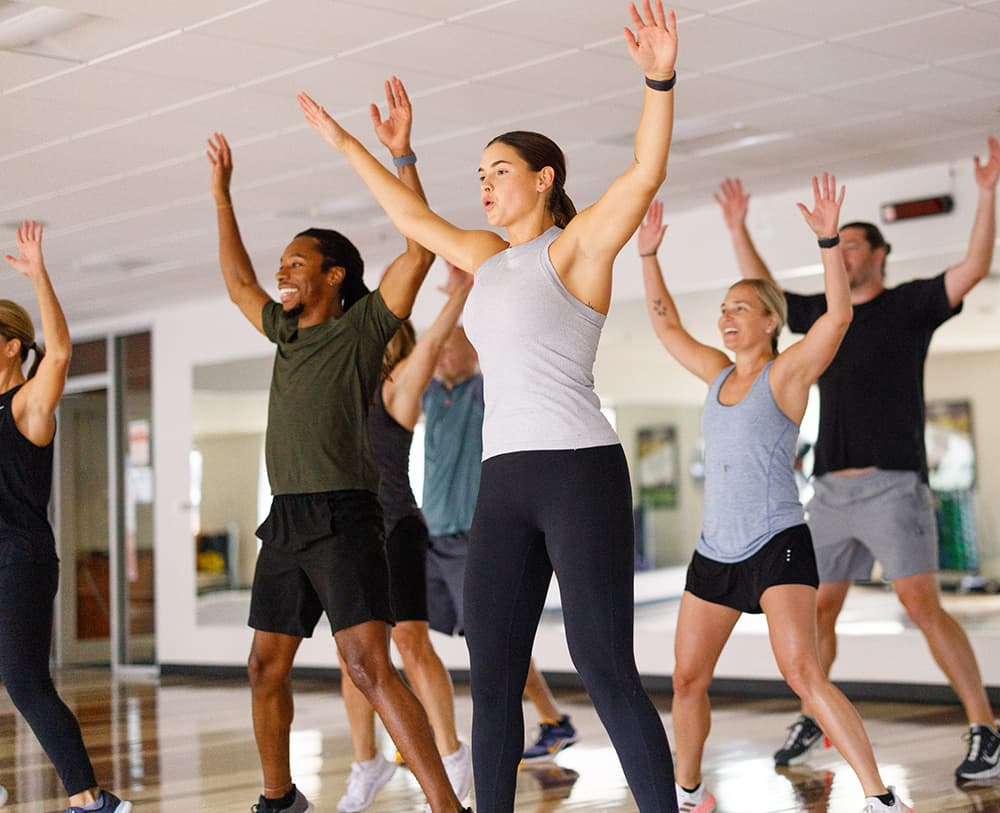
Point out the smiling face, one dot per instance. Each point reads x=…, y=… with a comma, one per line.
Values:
x=303, y=286
x=508, y=186
x=744, y=321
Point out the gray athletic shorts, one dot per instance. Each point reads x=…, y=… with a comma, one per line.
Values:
x=445, y=582
x=884, y=515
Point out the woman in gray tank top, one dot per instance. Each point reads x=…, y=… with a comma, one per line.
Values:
x=755, y=554
x=554, y=493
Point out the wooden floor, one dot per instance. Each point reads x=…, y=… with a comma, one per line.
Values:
x=186, y=744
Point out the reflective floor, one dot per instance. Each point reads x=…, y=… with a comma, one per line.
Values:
x=186, y=744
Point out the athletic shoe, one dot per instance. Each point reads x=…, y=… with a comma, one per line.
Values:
x=983, y=759
x=109, y=804
x=458, y=766
x=553, y=737
x=300, y=804
x=3, y=795
x=701, y=801
x=366, y=780
x=803, y=734
x=874, y=805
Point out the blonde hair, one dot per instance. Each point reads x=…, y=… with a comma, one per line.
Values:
x=773, y=300
x=399, y=347
x=15, y=323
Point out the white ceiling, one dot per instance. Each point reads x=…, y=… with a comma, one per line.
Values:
x=102, y=126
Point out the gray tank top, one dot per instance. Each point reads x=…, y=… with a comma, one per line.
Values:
x=536, y=345
x=750, y=491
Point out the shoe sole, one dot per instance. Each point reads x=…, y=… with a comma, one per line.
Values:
x=375, y=790
x=989, y=773
x=561, y=745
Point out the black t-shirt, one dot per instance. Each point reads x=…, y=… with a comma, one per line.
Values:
x=872, y=394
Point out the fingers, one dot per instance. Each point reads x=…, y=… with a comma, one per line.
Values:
x=630, y=40
x=648, y=13
x=634, y=13
x=375, y=115
x=840, y=197
x=401, y=94
x=817, y=196
x=661, y=20
x=390, y=97
x=805, y=210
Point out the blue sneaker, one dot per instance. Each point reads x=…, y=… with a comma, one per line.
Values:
x=553, y=737
x=109, y=804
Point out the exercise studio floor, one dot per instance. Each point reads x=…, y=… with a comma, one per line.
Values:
x=176, y=744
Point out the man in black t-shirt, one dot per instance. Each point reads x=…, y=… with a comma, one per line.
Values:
x=871, y=498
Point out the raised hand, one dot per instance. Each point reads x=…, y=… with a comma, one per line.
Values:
x=321, y=121
x=987, y=174
x=651, y=230
x=825, y=216
x=29, y=244
x=394, y=130
x=733, y=201
x=458, y=280
x=221, y=158
x=653, y=46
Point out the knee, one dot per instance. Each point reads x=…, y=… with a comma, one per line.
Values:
x=689, y=679
x=414, y=645
x=923, y=613
x=803, y=676
x=367, y=672
x=266, y=673
x=826, y=616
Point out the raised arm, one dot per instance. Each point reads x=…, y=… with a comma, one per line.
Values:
x=406, y=273
x=798, y=367
x=704, y=361
x=585, y=252
x=35, y=403
x=403, y=390
x=407, y=209
x=734, y=202
x=962, y=278
x=237, y=270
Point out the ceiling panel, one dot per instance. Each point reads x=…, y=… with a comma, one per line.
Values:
x=17, y=68
x=175, y=13
x=713, y=42
x=826, y=20
x=576, y=74
x=985, y=65
x=917, y=89
x=332, y=26
x=958, y=32
x=601, y=21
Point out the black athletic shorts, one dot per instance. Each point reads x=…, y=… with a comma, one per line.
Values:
x=406, y=549
x=321, y=552
x=788, y=558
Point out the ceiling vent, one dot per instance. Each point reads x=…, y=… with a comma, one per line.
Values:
x=707, y=136
x=30, y=29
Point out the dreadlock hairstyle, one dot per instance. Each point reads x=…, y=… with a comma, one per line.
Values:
x=339, y=252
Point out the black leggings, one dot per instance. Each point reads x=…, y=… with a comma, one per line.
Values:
x=26, y=595
x=570, y=511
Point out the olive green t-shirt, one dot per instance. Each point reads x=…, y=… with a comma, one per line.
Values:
x=321, y=388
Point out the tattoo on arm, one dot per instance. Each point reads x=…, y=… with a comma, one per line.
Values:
x=658, y=307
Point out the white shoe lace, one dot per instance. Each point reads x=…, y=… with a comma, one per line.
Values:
x=975, y=740
x=793, y=732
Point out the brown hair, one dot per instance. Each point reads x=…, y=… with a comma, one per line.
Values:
x=399, y=347
x=773, y=300
x=15, y=323
x=540, y=151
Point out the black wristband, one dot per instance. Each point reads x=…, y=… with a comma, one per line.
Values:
x=829, y=242
x=662, y=84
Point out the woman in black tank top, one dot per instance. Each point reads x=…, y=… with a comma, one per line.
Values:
x=29, y=567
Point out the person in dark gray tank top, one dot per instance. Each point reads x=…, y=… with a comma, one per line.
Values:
x=408, y=367
x=755, y=553
x=29, y=566
x=554, y=492
x=323, y=542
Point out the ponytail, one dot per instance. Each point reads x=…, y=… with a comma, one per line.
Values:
x=39, y=355
x=560, y=206
x=15, y=323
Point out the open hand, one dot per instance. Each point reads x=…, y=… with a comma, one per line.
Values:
x=733, y=201
x=651, y=230
x=29, y=244
x=653, y=46
x=394, y=130
x=321, y=121
x=987, y=174
x=221, y=158
x=825, y=216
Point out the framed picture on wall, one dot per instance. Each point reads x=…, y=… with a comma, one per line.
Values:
x=658, y=466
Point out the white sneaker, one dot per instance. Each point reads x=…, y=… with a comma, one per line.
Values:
x=701, y=801
x=458, y=766
x=366, y=780
x=874, y=805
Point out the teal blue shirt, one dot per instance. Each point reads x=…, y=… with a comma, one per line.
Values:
x=453, y=454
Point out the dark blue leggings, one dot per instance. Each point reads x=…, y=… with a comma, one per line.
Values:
x=571, y=512
x=26, y=595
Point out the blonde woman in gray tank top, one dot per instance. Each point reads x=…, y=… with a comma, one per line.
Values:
x=755, y=554
x=554, y=494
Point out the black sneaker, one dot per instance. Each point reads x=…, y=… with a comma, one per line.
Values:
x=983, y=759
x=299, y=804
x=803, y=734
